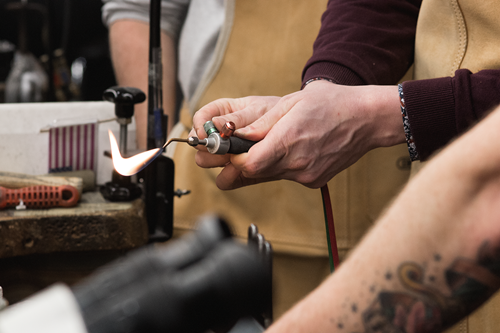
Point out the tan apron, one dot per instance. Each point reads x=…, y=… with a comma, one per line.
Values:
x=454, y=34
x=264, y=54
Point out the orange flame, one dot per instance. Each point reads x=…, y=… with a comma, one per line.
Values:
x=132, y=165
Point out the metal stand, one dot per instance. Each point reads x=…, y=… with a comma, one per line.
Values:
x=159, y=175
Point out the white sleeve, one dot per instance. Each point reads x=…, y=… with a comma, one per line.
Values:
x=173, y=13
x=53, y=310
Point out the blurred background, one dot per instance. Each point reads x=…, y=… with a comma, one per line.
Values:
x=53, y=50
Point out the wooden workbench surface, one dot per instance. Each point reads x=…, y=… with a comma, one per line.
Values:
x=93, y=224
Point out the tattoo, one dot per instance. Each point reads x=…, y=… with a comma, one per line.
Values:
x=423, y=308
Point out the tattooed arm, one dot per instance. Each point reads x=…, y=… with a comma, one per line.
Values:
x=424, y=271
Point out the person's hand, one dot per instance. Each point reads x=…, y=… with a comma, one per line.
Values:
x=308, y=136
x=241, y=111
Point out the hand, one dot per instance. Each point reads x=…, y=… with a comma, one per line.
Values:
x=241, y=111
x=308, y=136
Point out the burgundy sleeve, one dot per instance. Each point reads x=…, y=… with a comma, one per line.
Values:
x=440, y=109
x=364, y=42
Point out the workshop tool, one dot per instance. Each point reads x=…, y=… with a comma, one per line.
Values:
x=121, y=188
x=222, y=142
x=14, y=180
x=158, y=179
x=39, y=197
x=124, y=99
x=217, y=143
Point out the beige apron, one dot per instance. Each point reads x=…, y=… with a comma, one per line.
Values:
x=454, y=34
x=264, y=54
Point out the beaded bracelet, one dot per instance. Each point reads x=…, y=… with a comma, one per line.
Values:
x=412, y=149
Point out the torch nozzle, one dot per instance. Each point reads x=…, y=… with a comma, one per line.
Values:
x=194, y=141
x=174, y=139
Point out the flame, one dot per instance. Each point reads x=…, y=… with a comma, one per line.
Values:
x=132, y=165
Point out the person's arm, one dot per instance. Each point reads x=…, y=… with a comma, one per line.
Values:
x=354, y=36
x=364, y=42
x=308, y=136
x=129, y=42
x=442, y=108
x=128, y=23
x=420, y=272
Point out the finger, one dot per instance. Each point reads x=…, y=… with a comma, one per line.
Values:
x=241, y=111
x=217, y=108
x=257, y=130
x=240, y=119
x=247, y=111
x=207, y=112
x=231, y=178
x=260, y=161
x=207, y=160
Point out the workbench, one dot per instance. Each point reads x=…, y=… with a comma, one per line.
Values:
x=41, y=246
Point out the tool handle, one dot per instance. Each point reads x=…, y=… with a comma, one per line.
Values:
x=39, y=196
x=239, y=145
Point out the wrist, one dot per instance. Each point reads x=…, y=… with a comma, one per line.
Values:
x=319, y=78
x=382, y=106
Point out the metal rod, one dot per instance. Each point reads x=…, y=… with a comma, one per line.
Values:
x=176, y=140
x=123, y=139
x=155, y=75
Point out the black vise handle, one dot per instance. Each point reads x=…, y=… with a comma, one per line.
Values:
x=124, y=99
x=239, y=145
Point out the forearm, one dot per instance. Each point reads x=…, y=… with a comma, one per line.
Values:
x=129, y=42
x=429, y=260
x=364, y=42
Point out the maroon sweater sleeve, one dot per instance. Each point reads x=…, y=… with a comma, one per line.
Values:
x=364, y=42
x=440, y=109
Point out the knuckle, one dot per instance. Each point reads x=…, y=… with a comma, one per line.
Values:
x=252, y=170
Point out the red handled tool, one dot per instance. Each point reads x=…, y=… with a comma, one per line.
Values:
x=39, y=196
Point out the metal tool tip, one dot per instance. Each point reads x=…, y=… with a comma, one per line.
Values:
x=193, y=141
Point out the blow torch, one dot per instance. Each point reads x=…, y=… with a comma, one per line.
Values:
x=219, y=143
